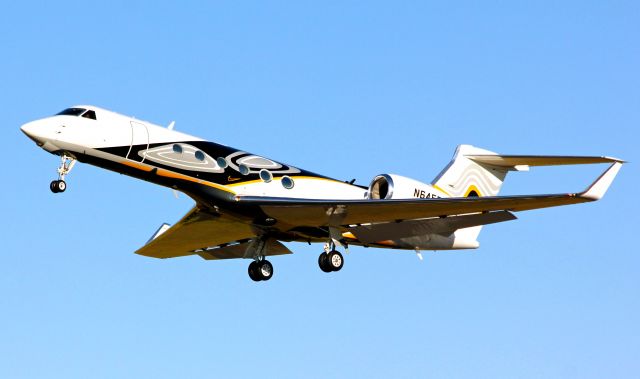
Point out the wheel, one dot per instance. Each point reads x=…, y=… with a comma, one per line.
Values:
x=265, y=270
x=334, y=261
x=253, y=271
x=322, y=262
x=58, y=186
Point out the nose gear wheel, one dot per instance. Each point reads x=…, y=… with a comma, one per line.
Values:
x=57, y=186
x=66, y=164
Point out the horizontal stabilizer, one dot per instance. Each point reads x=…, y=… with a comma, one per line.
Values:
x=511, y=161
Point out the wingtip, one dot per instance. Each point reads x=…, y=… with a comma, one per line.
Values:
x=615, y=160
x=599, y=187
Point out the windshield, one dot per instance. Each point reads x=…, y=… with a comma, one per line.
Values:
x=71, y=112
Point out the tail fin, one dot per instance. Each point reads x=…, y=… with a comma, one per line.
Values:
x=465, y=177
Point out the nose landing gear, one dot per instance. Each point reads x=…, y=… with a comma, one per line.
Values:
x=66, y=164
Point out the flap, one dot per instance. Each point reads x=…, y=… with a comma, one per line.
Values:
x=242, y=249
x=445, y=226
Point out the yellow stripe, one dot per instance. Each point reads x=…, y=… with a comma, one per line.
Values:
x=472, y=188
x=175, y=175
x=137, y=165
x=441, y=190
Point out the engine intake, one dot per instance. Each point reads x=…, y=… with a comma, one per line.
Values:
x=389, y=186
x=381, y=187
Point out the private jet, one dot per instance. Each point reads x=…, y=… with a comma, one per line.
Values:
x=247, y=205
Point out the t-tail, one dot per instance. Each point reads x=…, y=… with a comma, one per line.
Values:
x=475, y=172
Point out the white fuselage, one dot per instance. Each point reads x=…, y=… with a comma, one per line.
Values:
x=96, y=138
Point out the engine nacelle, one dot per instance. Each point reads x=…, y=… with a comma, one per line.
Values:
x=389, y=186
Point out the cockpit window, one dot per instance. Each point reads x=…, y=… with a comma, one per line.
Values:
x=90, y=114
x=72, y=112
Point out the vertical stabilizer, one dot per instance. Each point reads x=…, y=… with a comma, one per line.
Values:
x=464, y=177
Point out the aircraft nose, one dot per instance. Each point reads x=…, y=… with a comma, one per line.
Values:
x=32, y=130
x=27, y=129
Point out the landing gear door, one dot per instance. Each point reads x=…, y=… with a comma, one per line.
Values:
x=139, y=141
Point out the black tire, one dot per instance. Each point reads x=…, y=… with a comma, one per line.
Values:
x=253, y=271
x=265, y=270
x=322, y=262
x=335, y=261
x=54, y=186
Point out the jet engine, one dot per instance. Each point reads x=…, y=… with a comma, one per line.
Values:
x=389, y=186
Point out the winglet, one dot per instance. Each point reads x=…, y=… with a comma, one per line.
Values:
x=601, y=185
x=163, y=228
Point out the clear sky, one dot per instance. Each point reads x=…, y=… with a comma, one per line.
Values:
x=349, y=90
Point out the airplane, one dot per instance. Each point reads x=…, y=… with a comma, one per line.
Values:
x=247, y=205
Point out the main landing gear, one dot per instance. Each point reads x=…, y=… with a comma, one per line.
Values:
x=66, y=165
x=330, y=260
x=260, y=269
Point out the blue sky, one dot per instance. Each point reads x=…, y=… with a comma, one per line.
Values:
x=350, y=90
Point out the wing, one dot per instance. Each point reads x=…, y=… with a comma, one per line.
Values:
x=197, y=230
x=352, y=212
x=370, y=233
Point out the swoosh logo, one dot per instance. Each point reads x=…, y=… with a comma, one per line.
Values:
x=230, y=179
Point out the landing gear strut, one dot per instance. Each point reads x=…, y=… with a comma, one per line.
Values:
x=330, y=260
x=260, y=269
x=66, y=164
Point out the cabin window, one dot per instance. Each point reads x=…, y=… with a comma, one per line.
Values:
x=222, y=162
x=244, y=170
x=287, y=182
x=177, y=149
x=199, y=155
x=266, y=176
